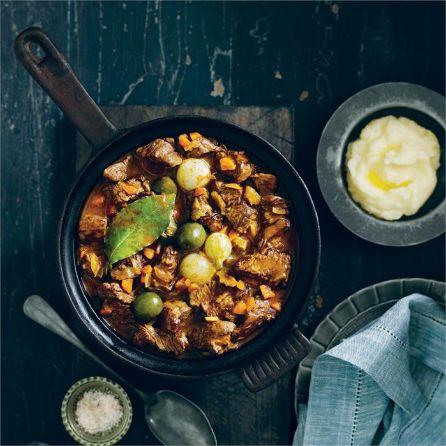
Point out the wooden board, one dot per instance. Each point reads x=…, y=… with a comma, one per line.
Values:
x=275, y=124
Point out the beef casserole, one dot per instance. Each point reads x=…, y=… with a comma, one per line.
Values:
x=184, y=246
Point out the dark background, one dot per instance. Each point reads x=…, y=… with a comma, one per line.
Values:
x=311, y=55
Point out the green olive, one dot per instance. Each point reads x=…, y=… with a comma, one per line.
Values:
x=191, y=236
x=165, y=185
x=147, y=306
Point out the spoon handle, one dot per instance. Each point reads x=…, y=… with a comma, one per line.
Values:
x=40, y=311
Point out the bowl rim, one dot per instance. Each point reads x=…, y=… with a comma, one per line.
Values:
x=330, y=159
x=123, y=396
x=100, y=331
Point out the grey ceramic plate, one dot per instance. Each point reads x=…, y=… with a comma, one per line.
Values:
x=420, y=104
x=354, y=313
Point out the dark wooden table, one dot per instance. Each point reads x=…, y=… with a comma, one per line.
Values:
x=311, y=56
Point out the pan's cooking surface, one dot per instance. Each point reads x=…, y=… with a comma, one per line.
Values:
x=223, y=260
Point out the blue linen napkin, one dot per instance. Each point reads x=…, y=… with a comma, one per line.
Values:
x=384, y=385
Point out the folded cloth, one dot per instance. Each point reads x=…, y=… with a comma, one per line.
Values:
x=384, y=385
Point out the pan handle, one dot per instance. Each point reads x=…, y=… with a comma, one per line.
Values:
x=51, y=70
x=268, y=368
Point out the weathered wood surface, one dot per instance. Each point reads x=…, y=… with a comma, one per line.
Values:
x=310, y=55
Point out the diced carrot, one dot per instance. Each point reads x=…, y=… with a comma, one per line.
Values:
x=239, y=308
x=279, y=211
x=234, y=186
x=253, y=229
x=218, y=201
x=145, y=279
x=195, y=135
x=147, y=269
x=183, y=140
x=98, y=200
x=252, y=195
x=240, y=285
x=240, y=242
x=127, y=285
x=130, y=189
x=276, y=305
x=200, y=191
x=180, y=284
x=192, y=287
x=267, y=292
x=232, y=235
x=226, y=280
x=105, y=311
x=250, y=303
x=149, y=253
x=211, y=318
x=227, y=163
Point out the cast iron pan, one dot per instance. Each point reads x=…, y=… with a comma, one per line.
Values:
x=280, y=346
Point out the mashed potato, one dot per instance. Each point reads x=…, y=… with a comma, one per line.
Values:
x=391, y=168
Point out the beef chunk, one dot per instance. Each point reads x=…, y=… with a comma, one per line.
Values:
x=241, y=216
x=200, y=208
x=175, y=316
x=265, y=183
x=230, y=193
x=203, y=297
x=92, y=259
x=214, y=336
x=261, y=313
x=118, y=171
x=92, y=227
x=275, y=237
x=238, y=212
x=271, y=266
x=164, y=272
x=242, y=167
x=175, y=320
x=128, y=268
x=200, y=146
x=214, y=222
x=166, y=342
x=274, y=223
x=273, y=207
x=120, y=317
x=158, y=155
x=127, y=191
x=110, y=290
x=224, y=303
x=203, y=212
x=214, y=302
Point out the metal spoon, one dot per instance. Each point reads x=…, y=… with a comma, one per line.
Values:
x=172, y=418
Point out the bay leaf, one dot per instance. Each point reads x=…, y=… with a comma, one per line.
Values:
x=138, y=225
